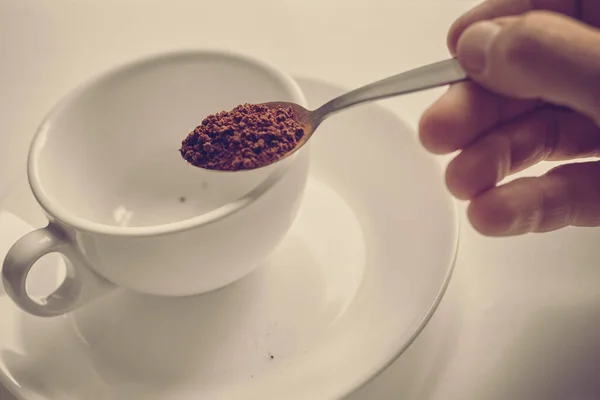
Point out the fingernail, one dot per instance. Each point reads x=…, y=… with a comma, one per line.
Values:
x=475, y=43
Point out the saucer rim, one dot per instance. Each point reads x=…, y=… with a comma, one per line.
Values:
x=368, y=375
x=426, y=318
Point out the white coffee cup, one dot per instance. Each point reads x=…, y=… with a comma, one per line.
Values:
x=126, y=210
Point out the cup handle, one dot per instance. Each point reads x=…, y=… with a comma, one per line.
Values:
x=80, y=285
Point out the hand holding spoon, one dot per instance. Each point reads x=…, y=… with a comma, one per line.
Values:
x=427, y=77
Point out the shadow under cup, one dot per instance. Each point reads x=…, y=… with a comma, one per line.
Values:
x=105, y=166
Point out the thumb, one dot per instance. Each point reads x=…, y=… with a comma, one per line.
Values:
x=537, y=55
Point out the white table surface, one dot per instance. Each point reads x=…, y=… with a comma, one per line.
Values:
x=521, y=319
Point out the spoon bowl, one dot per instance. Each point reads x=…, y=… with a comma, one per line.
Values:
x=309, y=120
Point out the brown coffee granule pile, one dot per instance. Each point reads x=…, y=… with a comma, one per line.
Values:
x=249, y=136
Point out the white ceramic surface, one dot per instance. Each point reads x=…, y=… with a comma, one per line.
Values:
x=121, y=201
x=349, y=288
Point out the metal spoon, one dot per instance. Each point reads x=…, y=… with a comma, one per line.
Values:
x=427, y=77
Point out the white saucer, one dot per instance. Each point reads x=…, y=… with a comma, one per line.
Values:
x=357, y=278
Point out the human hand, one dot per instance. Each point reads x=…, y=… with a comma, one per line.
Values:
x=534, y=95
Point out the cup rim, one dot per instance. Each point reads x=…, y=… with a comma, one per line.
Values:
x=61, y=214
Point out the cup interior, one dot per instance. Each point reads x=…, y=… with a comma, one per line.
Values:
x=109, y=153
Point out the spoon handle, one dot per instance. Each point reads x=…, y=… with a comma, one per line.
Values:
x=427, y=77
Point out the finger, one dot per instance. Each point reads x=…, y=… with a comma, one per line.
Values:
x=464, y=112
x=544, y=134
x=491, y=9
x=567, y=195
x=540, y=55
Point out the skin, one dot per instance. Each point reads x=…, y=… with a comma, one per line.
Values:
x=534, y=95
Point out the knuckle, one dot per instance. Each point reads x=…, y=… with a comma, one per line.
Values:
x=591, y=88
x=524, y=37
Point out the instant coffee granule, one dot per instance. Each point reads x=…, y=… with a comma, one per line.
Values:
x=249, y=136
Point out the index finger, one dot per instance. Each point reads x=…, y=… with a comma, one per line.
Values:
x=466, y=111
x=491, y=9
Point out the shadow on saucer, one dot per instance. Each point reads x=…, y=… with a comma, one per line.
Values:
x=417, y=372
x=563, y=344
